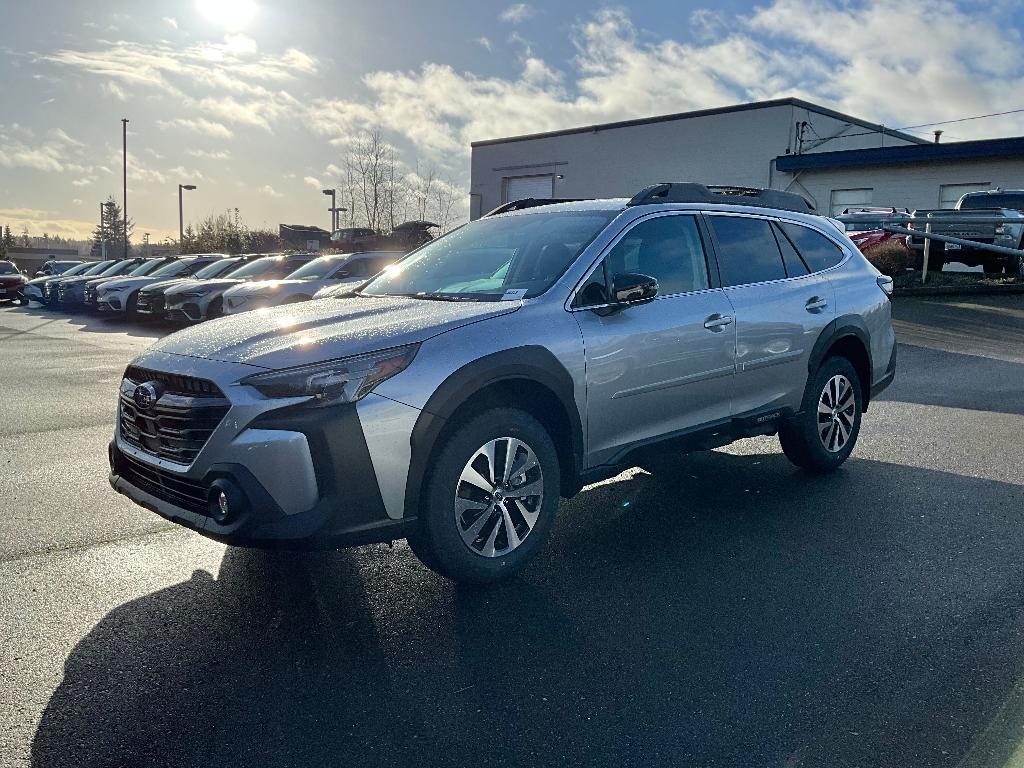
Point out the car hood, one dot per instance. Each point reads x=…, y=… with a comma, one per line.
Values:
x=40, y=281
x=323, y=330
x=120, y=283
x=175, y=282
x=217, y=283
x=78, y=280
x=250, y=287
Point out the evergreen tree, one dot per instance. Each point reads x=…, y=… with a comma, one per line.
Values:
x=112, y=230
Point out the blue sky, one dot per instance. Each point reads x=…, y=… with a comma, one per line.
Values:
x=255, y=101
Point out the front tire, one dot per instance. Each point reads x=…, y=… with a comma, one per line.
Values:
x=824, y=434
x=491, y=497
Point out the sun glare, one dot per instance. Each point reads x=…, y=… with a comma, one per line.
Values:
x=232, y=15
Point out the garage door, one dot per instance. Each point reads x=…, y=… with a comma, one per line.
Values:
x=522, y=187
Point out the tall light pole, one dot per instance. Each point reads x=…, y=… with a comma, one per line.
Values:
x=124, y=155
x=334, y=211
x=181, y=214
x=103, y=236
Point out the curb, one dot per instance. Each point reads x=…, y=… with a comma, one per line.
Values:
x=958, y=290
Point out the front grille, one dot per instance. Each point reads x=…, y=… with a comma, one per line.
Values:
x=150, y=302
x=187, y=494
x=176, y=384
x=50, y=291
x=178, y=424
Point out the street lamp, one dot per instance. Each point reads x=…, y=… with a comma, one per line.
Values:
x=332, y=193
x=181, y=214
x=124, y=155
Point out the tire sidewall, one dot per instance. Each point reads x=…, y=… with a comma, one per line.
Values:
x=448, y=553
x=820, y=455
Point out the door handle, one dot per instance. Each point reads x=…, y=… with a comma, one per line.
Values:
x=716, y=322
x=815, y=303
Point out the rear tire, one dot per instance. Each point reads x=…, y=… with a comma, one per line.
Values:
x=477, y=530
x=992, y=265
x=824, y=434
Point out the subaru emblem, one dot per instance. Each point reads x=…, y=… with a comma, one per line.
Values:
x=145, y=395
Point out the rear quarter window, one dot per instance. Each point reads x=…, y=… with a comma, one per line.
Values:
x=817, y=250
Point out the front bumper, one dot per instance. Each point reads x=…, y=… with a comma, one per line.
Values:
x=306, y=479
x=185, y=310
x=111, y=303
x=150, y=305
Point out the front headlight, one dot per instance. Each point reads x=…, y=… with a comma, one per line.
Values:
x=335, y=381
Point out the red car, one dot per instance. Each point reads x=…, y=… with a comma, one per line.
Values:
x=11, y=282
x=864, y=230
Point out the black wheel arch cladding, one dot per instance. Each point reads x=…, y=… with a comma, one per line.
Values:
x=530, y=363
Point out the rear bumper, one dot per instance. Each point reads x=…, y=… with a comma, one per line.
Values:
x=887, y=378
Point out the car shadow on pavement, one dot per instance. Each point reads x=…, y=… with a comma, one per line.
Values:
x=733, y=612
x=96, y=323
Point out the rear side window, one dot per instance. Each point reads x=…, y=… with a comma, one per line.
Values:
x=747, y=250
x=817, y=250
x=795, y=266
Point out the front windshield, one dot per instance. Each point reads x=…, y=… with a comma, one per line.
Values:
x=173, y=269
x=77, y=269
x=216, y=269
x=97, y=268
x=146, y=267
x=120, y=268
x=6, y=268
x=317, y=269
x=514, y=257
x=269, y=268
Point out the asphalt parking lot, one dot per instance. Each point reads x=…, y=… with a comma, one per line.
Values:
x=740, y=613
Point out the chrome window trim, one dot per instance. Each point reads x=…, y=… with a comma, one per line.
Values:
x=847, y=254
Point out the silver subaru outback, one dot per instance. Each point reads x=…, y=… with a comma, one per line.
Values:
x=456, y=396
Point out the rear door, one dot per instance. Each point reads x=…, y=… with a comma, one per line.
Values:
x=781, y=303
x=661, y=368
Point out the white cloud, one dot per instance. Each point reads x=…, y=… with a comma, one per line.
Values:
x=824, y=52
x=199, y=125
x=222, y=154
x=268, y=190
x=516, y=13
x=113, y=89
x=312, y=181
x=85, y=181
x=77, y=201
x=484, y=42
x=56, y=152
x=170, y=22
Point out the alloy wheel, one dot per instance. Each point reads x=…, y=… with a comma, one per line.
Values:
x=837, y=409
x=498, y=497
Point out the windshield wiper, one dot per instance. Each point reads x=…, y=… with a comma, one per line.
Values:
x=428, y=296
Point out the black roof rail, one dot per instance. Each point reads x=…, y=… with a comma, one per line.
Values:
x=690, y=192
x=529, y=202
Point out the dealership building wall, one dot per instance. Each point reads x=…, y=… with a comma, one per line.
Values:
x=835, y=160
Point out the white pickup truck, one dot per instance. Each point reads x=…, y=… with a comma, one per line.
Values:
x=1002, y=203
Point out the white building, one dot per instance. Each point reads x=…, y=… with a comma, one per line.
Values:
x=835, y=160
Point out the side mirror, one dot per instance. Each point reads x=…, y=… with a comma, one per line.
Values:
x=629, y=288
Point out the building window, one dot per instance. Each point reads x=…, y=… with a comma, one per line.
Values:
x=523, y=187
x=950, y=194
x=850, y=198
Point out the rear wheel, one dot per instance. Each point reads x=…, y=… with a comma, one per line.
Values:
x=491, y=497
x=992, y=264
x=824, y=434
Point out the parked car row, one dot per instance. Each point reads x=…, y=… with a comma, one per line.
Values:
x=197, y=287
